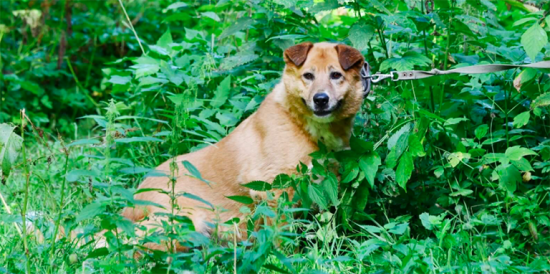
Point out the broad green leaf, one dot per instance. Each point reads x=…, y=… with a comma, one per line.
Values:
x=516, y=153
x=405, y=130
x=126, y=225
x=439, y=171
x=391, y=159
x=379, y=6
x=120, y=80
x=286, y=262
x=242, y=23
x=522, y=164
x=330, y=186
x=194, y=171
x=160, y=190
x=457, y=157
x=351, y=173
x=429, y=221
x=541, y=101
x=454, y=121
x=527, y=75
x=32, y=87
x=144, y=70
x=90, y=211
x=222, y=93
x=196, y=198
x=315, y=193
x=425, y=219
x=398, y=229
x=360, y=34
x=286, y=3
x=324, y=6
x=211, y=15
x=481, y=131
x=524, y=20
x=263, y=210
x=174, y=6
x=238, y=60
x=522, y=119
x=281, y=181
x=173, y=74
x=462, y=192
x=407, y=62
x=533, y=40
x=359, y=145
x=444, y=4
x=241, y=199
x=404, y=170
x=361, y=197
x=258, y=185
x=98, y=252
x=508, y=177
x=165, y=40
x=74, y=175
x=415, y=146
x=10, y=146
x=369, y=165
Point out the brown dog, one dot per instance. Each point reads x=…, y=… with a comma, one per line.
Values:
x=317, y=99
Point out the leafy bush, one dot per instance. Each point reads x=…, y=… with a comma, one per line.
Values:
x=444, y=174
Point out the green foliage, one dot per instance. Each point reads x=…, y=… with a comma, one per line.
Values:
x=10, y=144
x=445, y=174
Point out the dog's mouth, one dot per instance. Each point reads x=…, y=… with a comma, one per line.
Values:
x=324, y=112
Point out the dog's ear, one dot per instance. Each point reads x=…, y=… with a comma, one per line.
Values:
x=349, y=57
x=297, y=54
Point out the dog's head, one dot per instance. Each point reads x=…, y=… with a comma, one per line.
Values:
x=323, y=80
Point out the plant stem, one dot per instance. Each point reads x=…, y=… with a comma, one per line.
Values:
x=506, y=97
x=132, y=27
x=26, y=199
x=58, y=220
x=84, y=91
x=91, y=62
x=426, y=53
x=445, y=58
x=381, y=36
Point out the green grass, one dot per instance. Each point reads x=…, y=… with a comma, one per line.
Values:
x=445, y=175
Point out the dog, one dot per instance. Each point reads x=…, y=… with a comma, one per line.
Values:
x=316, y=100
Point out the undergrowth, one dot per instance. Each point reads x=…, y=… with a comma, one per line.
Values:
x=445, y=174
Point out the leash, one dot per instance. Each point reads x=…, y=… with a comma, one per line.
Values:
x=367, y=78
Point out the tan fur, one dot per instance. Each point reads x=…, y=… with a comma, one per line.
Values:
x=275, y=139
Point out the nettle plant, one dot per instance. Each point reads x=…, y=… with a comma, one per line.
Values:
x=443, y=155
x=448, y=173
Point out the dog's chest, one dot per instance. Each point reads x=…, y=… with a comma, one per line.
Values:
x=321, y=132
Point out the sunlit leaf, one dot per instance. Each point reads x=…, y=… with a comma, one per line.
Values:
x=533, y=40
x=404, y=170
x=10, y=148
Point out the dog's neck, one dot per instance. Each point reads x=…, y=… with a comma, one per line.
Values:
x=334, y=134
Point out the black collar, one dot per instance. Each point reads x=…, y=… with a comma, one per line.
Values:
x=366, y=79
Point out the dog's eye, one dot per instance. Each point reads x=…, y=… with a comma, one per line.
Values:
x=335, y=75
x=309, y=76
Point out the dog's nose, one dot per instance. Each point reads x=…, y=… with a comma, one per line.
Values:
x=320, y=100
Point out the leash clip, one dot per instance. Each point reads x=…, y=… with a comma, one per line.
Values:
x=379, y=76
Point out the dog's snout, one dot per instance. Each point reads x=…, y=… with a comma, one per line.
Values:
x=320, y=100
